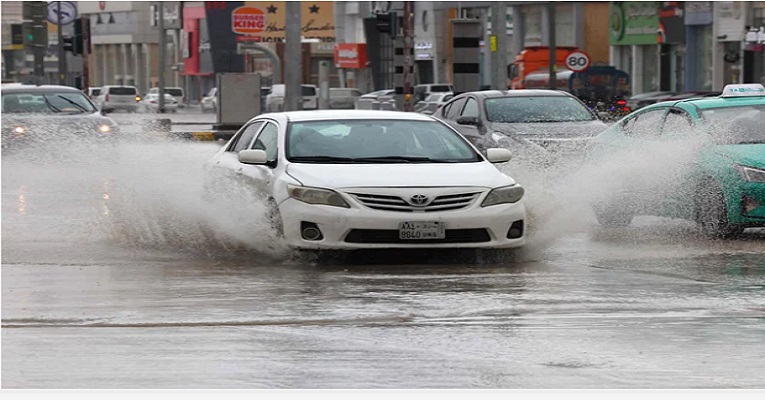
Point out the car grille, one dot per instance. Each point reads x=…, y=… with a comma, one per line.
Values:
x=391, y=236
x=448, y=202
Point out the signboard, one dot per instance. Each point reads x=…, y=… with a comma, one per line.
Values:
x=351, y=55
x=172, y=15
x=68, y=12
x=633, y=22
x=265, y=21
x=578, y=61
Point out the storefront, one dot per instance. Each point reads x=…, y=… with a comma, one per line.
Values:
x=672, y=48
x=730, y=28
x=754, y=46
x=698, y=22
x=633, y=38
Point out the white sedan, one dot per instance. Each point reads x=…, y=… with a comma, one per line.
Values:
x=363, y=179
x=150, y=103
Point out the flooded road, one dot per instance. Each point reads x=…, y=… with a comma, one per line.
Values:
x=115, y=275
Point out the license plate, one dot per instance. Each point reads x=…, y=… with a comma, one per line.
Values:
x=421, y=230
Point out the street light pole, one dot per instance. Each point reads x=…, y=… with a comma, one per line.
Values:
x=61, y=51
x=162, y=56
x=293, y=58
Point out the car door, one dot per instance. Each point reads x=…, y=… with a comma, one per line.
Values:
x=226, y=169
x=679, y=133
x=260, y=177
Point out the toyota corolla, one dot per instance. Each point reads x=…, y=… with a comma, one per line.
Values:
x=362, y=179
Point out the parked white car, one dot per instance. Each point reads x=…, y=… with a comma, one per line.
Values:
x=359, y=179
x=125, y=98
x=210, y=100
x=276, y=95
x=177, y=92
x=150, y=103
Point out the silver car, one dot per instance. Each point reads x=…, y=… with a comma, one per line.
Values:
x=343, y=98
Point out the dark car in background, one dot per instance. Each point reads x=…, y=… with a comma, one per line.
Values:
x=553, y=120
x=46, y=113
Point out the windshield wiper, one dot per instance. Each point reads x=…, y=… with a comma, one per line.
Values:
x=73, y=103
x=322, y=159
x=51, y=106
x=404, y=159
x=385, y=159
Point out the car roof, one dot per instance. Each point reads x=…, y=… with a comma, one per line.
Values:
x=713, y=102
x=517, y=93
x=38, y=89
x=298, y=116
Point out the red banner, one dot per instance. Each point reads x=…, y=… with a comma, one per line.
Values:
x=351, y=55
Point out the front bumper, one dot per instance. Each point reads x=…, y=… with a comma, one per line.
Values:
x=362, y=228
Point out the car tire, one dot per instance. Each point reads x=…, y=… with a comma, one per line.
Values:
x=611, y=216
x=712, y=212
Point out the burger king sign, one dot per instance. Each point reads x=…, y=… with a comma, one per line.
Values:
x=248, y=20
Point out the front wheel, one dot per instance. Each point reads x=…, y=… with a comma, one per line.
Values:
x=612, y=217
x=712, y=213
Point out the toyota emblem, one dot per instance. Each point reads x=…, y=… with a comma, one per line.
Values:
x=419, y=199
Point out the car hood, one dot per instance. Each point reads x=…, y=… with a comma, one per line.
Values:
x=55, y=121
x=551, y=130
x=482, y=174
x=751, y=155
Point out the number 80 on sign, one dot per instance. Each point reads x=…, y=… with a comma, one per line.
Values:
x=577, y=61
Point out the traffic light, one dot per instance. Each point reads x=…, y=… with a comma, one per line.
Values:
x=77, y=39
x=68, y=44
x=34, y=27
x=387, y=23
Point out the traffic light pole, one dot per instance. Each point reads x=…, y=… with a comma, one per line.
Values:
x=61, y=52
x=85, y=53
x=408, y=62
x=162, y=55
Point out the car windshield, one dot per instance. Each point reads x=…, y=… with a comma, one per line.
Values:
x=736, y=125
x=376, y=141
x=120, y=91
x=308, y=91
x=95, y=92
x=536, y=109
x=48, y=103
x=174, y=92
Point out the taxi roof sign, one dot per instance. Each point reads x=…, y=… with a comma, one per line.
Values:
x=744, y=90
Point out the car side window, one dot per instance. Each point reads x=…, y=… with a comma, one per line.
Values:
x=268, y=140
x=677, y=123
x=244, y=137
x=645, y=125
x=455, y=109
x=471, y=108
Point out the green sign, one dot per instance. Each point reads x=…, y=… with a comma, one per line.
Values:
x=633, y=22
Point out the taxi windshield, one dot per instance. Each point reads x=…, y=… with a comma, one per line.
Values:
x=736, y=125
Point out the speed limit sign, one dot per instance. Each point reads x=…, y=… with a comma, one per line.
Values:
x=577, y=61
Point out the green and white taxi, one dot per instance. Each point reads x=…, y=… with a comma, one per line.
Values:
x=722, y=186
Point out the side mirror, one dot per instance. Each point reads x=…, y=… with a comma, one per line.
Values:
x=257, y=157
x=469, y=121
x=107, y=109
x=497, y=155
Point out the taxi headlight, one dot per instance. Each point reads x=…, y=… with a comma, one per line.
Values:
x=19, y=130
x=312, y=195
x=503, y=195
x=750, y=174
x=104, y=128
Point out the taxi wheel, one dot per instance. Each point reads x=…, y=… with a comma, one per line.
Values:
x=712, y=213
x=612, y=217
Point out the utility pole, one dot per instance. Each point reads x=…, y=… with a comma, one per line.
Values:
x=293, y=58
x=551, y=30
x=408, y=56
x=162, y=55
x=85, y=53
x=498, y=45
x=61, y=52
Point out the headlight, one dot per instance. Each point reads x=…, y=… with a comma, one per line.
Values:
x=503, y=195
x=103, y=128
x=313, y=195
x=19, y=130
x=750, y=174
